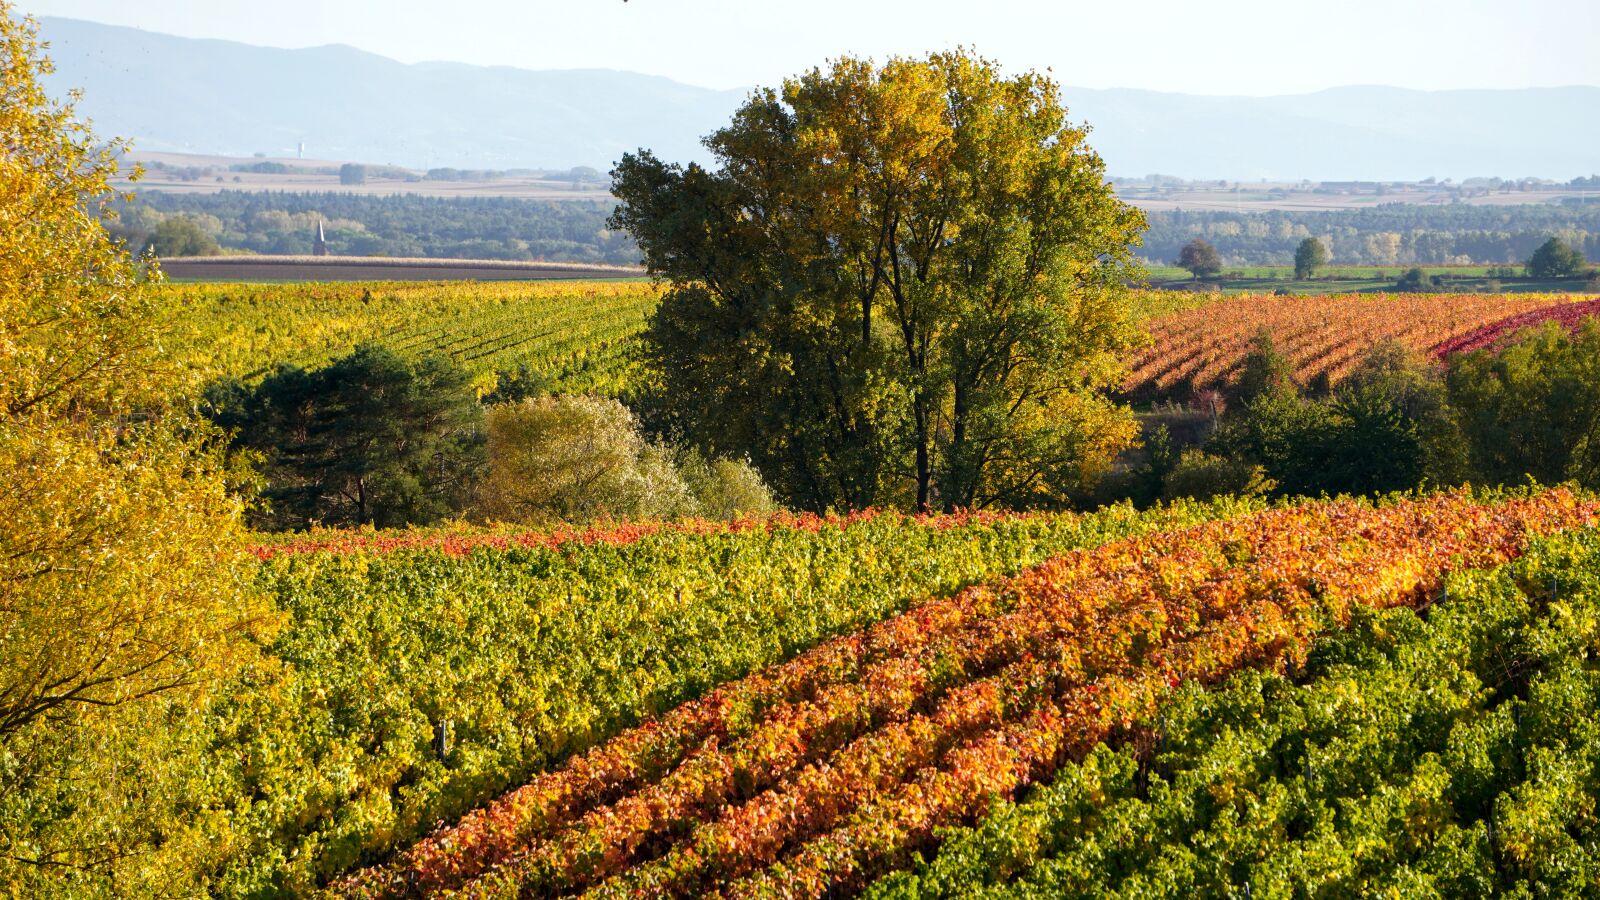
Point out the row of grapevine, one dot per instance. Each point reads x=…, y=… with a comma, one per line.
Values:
x=418, y=676
x=1322, y=336
x=459, y=540
x=1567, y=315
x=810, y=776
x=1451, y=754
x=573, y=335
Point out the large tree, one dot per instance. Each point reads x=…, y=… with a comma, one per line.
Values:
x=1555, y=258
x=123, y=575
x=1200, y=258
x=901, y=284
x=1310, y=256
x=118, y=575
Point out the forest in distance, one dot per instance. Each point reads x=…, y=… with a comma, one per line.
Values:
x=576, y=230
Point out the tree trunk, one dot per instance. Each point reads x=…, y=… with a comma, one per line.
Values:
x=958, y=443
x=924, y=464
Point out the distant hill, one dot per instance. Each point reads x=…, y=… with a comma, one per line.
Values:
x=207, y=96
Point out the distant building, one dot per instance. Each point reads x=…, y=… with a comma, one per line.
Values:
x=319, y=247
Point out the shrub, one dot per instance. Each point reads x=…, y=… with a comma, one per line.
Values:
x=725, y=488
x=575, y=459
x=1201, y=476
x=1264, y=371
x=1533, y=410
x=1385, y=428
x=579, y=459
x=1412, y=280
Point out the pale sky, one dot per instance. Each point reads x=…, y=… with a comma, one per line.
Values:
x=1254, y=47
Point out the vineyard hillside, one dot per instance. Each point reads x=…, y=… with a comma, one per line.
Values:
x=810, y=777
x=574, y=337
x=570, y=336
x=418, y=674
x=1323, y=337
x=1446, y=752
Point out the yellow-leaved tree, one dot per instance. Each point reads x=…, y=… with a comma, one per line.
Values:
x=123, y=575
x=902, y=284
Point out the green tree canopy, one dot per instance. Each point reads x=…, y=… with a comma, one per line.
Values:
x=1533, y=409
x=901, y=285
x=1386, y=427
x=1200, y=258
x=181, y=236
x=1310, y=256
x=369, y=439
x=1555, y=258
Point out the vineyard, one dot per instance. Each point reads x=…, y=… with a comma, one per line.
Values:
x=811, y=777
x=420, y=674
x=1567, y=315
x=491, y=589
x=574, y=337
x=571, y=336
x=1452, y=752
x=1323, y=336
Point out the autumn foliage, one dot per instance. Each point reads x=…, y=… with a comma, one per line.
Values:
x=1322, y=336
x=1567, y=315
x=815, y=774
x=122, y=576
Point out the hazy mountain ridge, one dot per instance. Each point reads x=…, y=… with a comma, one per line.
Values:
x=209, y=96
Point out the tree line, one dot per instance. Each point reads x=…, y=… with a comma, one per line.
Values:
x=1391, y=234
x=404, y=225
x=1554, y=258
x=577, y=231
